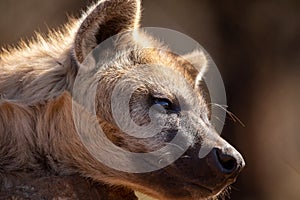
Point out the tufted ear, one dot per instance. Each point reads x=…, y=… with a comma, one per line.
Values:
x=200, y=64
x=103, y=20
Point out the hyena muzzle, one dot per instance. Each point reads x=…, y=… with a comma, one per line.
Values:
x=37, y=128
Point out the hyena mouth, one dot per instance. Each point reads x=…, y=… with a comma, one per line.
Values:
x=197, y=187
x=198, y=191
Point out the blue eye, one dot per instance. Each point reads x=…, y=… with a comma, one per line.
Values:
x=167, y=105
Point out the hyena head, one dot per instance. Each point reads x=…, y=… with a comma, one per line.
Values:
x=163, y=89
x=167, y=121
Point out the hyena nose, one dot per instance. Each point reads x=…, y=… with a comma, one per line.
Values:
x=228, y=162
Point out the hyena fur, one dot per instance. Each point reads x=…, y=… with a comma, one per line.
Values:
x=41, y=154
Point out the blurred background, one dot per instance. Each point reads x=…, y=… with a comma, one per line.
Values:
x=256, y=46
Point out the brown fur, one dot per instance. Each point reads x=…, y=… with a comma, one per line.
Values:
x=36, y=124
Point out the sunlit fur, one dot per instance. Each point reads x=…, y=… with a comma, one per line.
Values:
x=37, y=132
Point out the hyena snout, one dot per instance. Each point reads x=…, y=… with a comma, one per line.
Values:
x=214, y=170
x=226, y=163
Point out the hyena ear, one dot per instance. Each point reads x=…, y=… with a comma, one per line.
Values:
x=200, y=65
x=103, y=20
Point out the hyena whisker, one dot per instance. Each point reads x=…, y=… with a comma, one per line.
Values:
x=225, y=193
x=232, y=116
x=234, y=188
x=186, y=156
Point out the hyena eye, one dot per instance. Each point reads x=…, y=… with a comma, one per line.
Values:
x=166, y=104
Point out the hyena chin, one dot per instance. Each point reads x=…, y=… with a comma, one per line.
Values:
x=38, y=137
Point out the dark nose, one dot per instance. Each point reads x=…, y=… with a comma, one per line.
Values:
x=226, y=162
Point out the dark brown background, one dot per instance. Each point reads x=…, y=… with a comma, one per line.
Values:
x=255, y=44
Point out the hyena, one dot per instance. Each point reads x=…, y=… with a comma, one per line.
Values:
x=40, y=148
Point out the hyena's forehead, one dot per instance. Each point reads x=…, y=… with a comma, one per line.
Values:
x=178, y=65
x=160, y=72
